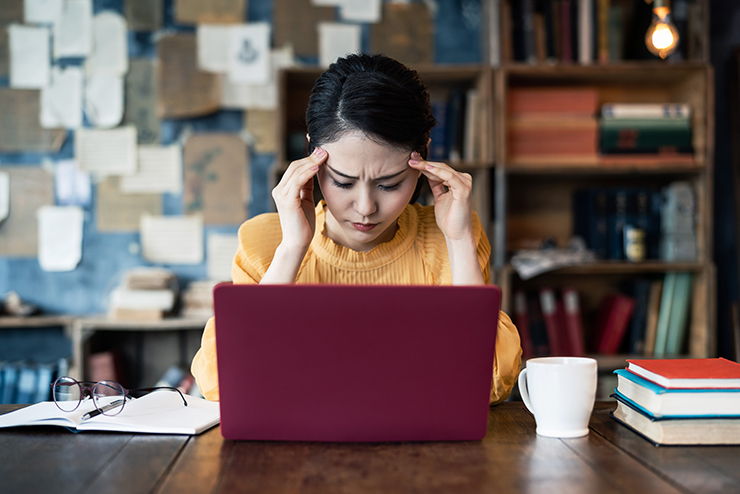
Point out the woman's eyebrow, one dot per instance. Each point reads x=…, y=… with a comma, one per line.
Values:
x=386, y=177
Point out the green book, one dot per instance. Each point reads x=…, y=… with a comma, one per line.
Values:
x=664, y=315
x=678, y=325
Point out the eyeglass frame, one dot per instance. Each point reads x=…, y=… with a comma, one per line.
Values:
x=87, y=387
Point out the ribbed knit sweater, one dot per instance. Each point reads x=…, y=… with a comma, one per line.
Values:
x=417, y=255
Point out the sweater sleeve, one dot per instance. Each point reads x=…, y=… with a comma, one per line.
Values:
x=507, y=361
x=250, y=262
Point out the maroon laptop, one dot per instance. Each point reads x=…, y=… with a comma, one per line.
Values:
x=355, y=363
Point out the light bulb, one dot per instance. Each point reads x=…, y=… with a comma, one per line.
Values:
x=662, y=36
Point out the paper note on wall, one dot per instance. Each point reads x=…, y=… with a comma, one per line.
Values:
x=109, y=45
x=249, y=51
x=184, y=91
x=262, y=96
x=262, y=126
x=337, y=40
x=73, y=29
x=213, y=11
x=71, y=184
x=213, y=42
x=172, y=239
x=295, y=24
x=4, y=195
x=405, y=33
x=61, y=102
x=10, y=13
x=20, y=130
x=41, y=11
x=106, y=152
x=104, y=100
x=119, y=212
x=30, y=65
x=160, y=170
x=30, y=188
x=220, y=255
x=144, y=15
x=216, y=178
x=141, y=100
x=60, y=237
x=360, y=10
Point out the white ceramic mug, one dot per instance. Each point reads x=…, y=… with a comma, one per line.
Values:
x=560, y=392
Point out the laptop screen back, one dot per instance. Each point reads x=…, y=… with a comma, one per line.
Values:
x=355, y=363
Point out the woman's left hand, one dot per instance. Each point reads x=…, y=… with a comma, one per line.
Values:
x=452, y=192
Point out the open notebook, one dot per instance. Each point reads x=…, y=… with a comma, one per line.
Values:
x=355, y=363
x=158, y=412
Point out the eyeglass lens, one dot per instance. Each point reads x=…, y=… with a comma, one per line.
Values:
x=67, y=393
x=109, y=397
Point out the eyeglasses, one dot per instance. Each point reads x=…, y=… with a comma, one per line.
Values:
x=109, y=397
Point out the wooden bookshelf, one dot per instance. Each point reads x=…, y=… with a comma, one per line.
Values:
x=538, y=196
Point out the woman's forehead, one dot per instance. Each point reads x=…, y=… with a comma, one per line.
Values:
x=356, y=155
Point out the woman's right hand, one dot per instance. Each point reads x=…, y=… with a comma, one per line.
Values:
x=293, y=198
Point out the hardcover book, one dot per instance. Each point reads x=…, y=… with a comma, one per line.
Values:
x=664, y=402
x=688, y=373
x=677, y=431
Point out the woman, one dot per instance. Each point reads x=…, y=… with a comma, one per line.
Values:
x=368, y=122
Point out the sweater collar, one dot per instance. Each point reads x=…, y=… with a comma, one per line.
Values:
x=346, y=258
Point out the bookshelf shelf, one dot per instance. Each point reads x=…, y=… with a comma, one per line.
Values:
x=636, y=167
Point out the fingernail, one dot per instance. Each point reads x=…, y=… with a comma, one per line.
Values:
x=413, y=162
x=318, y=151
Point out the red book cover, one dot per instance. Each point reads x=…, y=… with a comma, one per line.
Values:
x=614, y=318
x=521, y=320
x=572, y=311
x=688, y=373
x=555, y=333
x=563, y=101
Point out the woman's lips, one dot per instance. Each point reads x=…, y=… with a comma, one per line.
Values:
x=364, y=227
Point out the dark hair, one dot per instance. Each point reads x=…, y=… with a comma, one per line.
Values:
x=372, y=94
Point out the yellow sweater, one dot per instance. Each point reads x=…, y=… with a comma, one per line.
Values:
x=416, y=255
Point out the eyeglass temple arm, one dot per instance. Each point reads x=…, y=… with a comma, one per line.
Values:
x=184, y=401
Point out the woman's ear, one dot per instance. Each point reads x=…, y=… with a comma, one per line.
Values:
x=308, y=137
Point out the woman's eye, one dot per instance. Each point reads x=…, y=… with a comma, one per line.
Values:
x=389, y=188
x=340, y=184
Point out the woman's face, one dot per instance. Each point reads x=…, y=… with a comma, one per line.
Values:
x=366, y=186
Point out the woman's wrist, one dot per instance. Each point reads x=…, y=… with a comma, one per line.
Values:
x=464, y=266
x=284, y=265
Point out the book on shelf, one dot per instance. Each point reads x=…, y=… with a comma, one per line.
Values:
x=682, y=373
x=521, y=320
x=573, y=327
x=665, y=111
x=638, y=325
x=646, y=128
x=553, y=316
x=677, y=431
x=552, y=123
x=158, y=412
x=651, y=325
x=672, y=324
x=665, y=402
x=459, y=117
x=612, y=323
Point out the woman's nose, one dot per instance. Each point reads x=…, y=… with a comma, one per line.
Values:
x=365, y=204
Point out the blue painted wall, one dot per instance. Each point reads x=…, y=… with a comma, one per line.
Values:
x=105, y=256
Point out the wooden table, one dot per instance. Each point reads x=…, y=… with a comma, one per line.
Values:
x=512, y=458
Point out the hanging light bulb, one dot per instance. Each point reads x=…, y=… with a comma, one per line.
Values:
x=662, y=36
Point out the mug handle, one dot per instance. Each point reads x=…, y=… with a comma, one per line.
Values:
x=524, y=391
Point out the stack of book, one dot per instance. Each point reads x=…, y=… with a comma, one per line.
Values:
x=144, y=294
x=680, y=401
x=648, y=131
x=197, y=299
x=552, y=126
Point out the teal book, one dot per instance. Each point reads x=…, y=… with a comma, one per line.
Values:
x=660, y=402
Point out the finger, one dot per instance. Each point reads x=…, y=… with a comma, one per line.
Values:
x=456, y=181
x=300, y=172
